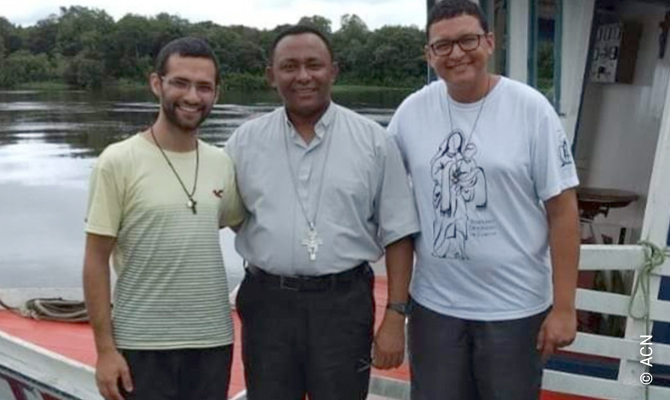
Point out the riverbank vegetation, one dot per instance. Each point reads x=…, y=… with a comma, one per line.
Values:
x=86, y=48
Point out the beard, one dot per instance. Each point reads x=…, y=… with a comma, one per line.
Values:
x=170, y=111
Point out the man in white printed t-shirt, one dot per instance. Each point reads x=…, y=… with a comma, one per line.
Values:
x=494, y=282
x=157, y=201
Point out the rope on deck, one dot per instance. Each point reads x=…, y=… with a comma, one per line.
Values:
x=51, y=309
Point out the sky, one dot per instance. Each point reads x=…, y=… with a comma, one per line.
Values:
x=256, y=13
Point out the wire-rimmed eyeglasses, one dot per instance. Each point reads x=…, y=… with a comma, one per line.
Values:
x=183, y=85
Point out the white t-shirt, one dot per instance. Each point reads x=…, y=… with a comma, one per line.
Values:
x=483, y=251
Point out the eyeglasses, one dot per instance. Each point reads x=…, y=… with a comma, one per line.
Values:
x=467, y=43
x=184, y=85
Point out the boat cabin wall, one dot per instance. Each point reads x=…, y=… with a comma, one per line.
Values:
x=620, y=122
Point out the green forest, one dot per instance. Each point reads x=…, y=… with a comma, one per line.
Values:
x=85, y=48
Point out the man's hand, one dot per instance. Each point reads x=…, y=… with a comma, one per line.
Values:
x=111, y=367
x=389, y=344
x=558, y=330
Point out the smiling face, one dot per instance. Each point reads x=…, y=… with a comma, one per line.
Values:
x=462, y=70
x=187, y=91
x=303, y=73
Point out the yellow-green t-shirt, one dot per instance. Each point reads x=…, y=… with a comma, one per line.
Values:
x=171, y=290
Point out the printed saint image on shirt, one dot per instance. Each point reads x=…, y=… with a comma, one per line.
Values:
x=459, y=186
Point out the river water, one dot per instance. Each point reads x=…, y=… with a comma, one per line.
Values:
x=49, y=142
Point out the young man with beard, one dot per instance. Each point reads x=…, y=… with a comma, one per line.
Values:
x=326, y=193
x=494, y=283
x=157, y=201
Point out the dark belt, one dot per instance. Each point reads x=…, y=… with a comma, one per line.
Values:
x=307, y=283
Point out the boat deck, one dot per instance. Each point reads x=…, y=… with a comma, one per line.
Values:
x=75, y=341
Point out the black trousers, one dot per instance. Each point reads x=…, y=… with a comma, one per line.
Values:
x=202, y=374
x=313, y=342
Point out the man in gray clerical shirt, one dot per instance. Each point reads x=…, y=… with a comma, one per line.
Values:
x=326, y=193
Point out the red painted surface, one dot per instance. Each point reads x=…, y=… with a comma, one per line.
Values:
x=75, y=341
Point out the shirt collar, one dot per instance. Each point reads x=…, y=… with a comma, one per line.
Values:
x=321, y=125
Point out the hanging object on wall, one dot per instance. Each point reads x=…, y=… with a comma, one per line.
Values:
x=663, y=36
x=615, y=52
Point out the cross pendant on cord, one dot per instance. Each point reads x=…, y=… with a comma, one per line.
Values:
x=191, y=204
x=312, y=243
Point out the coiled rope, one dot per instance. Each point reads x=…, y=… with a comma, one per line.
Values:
x=51, y=309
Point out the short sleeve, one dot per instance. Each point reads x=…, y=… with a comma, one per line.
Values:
x=552, y=164
x=232, y=208
x=396, y=210
x=105, y=198
x=394, y=130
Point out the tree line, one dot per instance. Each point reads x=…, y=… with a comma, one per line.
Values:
x=86, y=48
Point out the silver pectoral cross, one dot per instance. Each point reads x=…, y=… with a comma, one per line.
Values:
x=312, y=243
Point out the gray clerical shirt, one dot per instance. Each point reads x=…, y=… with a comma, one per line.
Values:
x=350, y=179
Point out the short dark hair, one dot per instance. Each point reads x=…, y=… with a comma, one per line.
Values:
x=299, y=30
x=186, y=47
x=447, y=9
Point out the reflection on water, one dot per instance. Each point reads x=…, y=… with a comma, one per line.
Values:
x=48, y=144
x=35, y=163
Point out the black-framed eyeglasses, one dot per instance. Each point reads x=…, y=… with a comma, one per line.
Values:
x=180, y=84
x=467, y=43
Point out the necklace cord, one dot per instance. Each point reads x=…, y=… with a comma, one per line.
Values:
x=481, y=107
x=197, y=167
x=310, y=222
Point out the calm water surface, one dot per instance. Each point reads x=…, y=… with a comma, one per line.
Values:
x=49, y=142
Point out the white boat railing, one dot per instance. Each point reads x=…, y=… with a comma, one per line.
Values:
x=630, y=349
x=45, y=370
